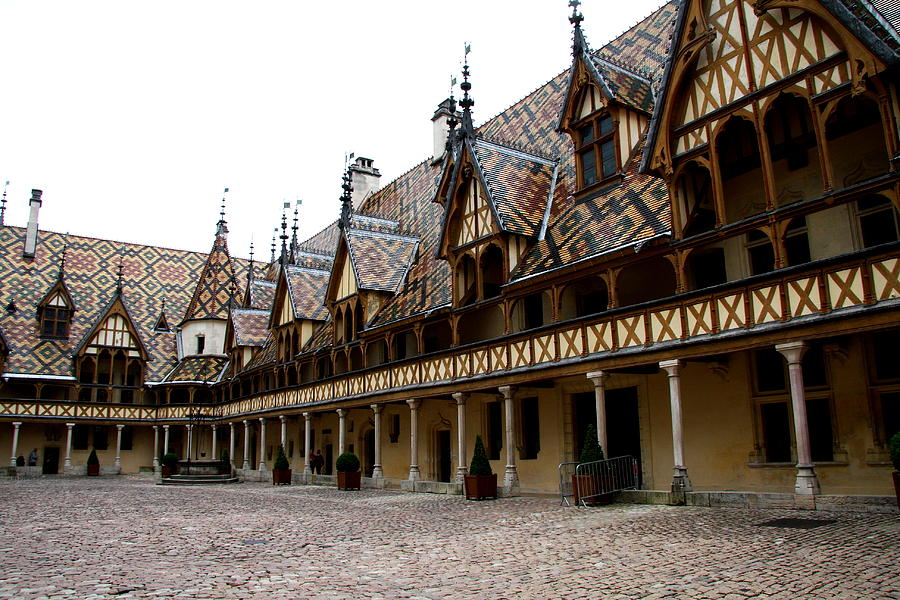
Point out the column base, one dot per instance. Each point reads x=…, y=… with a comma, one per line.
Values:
x=377, y=472
x=245, y=466
x=807, y=482
x=414, y=473
x=262, y=466
x=511, y=477
x=68, y=463
x=461, y=473
x=680, y=480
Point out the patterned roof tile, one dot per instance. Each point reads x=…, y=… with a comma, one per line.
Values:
x=628, y=88
x=381, y=260
x=251, y=326
x=198, y=368
x=264, y=356
x=217, y=287
x=307, y=290
x=262, y=294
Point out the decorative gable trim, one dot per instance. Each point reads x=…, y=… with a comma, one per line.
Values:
x=113, y=329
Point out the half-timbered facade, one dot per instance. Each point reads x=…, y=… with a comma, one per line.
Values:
x=689, y=238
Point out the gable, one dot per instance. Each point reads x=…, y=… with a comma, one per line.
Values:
x=346, y=284
x=114, y=329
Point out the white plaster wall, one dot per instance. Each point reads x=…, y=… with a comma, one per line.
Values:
x=212, y=329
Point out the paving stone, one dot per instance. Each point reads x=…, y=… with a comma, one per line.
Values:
x=79, y=538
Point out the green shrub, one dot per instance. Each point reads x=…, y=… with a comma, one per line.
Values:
x=281, y=461
x=591, y=450
x=347, y=463
x=480, y=464
x=895, y=450
x=92, y=458
x=170, y=460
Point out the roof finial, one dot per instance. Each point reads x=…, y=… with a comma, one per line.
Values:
x=295, y=244
x=250, y=271
x=346, y=200
x=222, y=226
x=3, y=206
x=121, y=271
x=467, y=103
x=452, y=122
x=284, y=235
x=575, y=19
x=62, y=263
x=274, y=234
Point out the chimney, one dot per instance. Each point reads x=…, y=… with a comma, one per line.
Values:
x=32, y=231
x=364, y=179
x=445, y=110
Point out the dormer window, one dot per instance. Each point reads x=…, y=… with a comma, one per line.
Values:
x=55, y=315
x=597, y=149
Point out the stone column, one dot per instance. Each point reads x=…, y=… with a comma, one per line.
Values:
x=165, y=439
x=214, y=456
x=599, y=378
x=511, y=476
x=461, y=470
x=807, y=482
x=69, y=428
x=190, y=439
x=680, y=480
x=246, y=465
x=231, y=445
x=156, y=448
x=342, y=430
x=15, y=442
x=414, y=404
x=118, y=463
x=262, y=443
x=377, y=471
x=307, y=438
x=283, y=420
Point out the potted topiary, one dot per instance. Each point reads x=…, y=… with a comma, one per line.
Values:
x=348, y=475
x=93, y=463
x=281, y=470
x=169, y=464
x=895, y=460
x=589, y=484
x=481, y=482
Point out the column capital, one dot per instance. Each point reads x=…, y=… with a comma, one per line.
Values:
x=307, y=416
x=461, y=398
x=342, y=412
x=376, y=408
x=414, y=403
x=17, y=424
x=671, y=367
x=598, y=377
x=71, y=425
x=508, y=391
x=189, y=426
x=120, y=427
x=262, y=420
x=231, y=424
x=792, y=351
x=246, y=422
x=165, y=426
x=214, y=425
x=282, y=418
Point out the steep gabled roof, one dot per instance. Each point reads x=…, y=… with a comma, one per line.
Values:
x=306, y=289
x=260, y=294
x=380, y=260
x=217, y=288
x=250, y=326
x=116, y=306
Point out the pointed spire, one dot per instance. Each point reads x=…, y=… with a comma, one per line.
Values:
x=578, y=43
x=346, y=203
x=121, y=272
x=274, y=234
x=467, y=103
x=222, y=226
x=250, y=274
x=3, y=206
x=284, y=235
x=295, y=244
x=62, y=263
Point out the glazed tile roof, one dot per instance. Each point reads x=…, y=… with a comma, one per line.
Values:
x=321, y=338
x=264, y=356
x=311, y=260
x=324, y=242
x=307, y=292
x=207, y=369
x=251, y=326
x=627, y=87
x=217, y=287
x=380, y=260
x=150, y=275
x=262, y=294
x=519, y=185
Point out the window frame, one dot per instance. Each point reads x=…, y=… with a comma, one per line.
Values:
x=595, y=145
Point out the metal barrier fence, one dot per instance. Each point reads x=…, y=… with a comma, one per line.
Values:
x=585, y=482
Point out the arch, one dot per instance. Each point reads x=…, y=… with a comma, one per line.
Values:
x=706, y=266
x=855, y=136
x=796, y=242
x=323, y=367
x=404, y=344
x=530, y=312
x=587, y=296
x=356, y=358
x=202, y=395
x=465, y=280
x=340, y=362
x=492, y=271
x=760, y=252
x=376, y=353
x=482, y=324
x=437, y=336
x=793, y=149
x=646, y=280
x=740, y=169
x=694, y=192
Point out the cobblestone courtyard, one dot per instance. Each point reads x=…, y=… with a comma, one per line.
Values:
x=128, y=538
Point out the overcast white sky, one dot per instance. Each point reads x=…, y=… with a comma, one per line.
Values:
x=133, y=116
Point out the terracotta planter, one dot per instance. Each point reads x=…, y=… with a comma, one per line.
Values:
x=281, y=477
x=479, y=487
x=93, y=470
x=896, y=476
x=348, y=481
x=166, y=472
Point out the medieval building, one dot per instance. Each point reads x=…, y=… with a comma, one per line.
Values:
x=688, y=238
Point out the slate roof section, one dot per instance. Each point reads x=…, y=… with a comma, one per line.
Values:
x=875, y=22
x=307, y=292
x=519, y=184
x=197, y=369
x=251, y=326
x=217, y=287
x=890, y=10
x=150, y=274
x=262, y=294
x=629, y=88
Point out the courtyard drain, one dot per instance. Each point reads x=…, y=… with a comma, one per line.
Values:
x=792, y=523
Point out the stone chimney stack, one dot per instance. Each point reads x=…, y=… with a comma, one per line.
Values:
x=365, y=180
x=32, y=231
x=441, y=117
